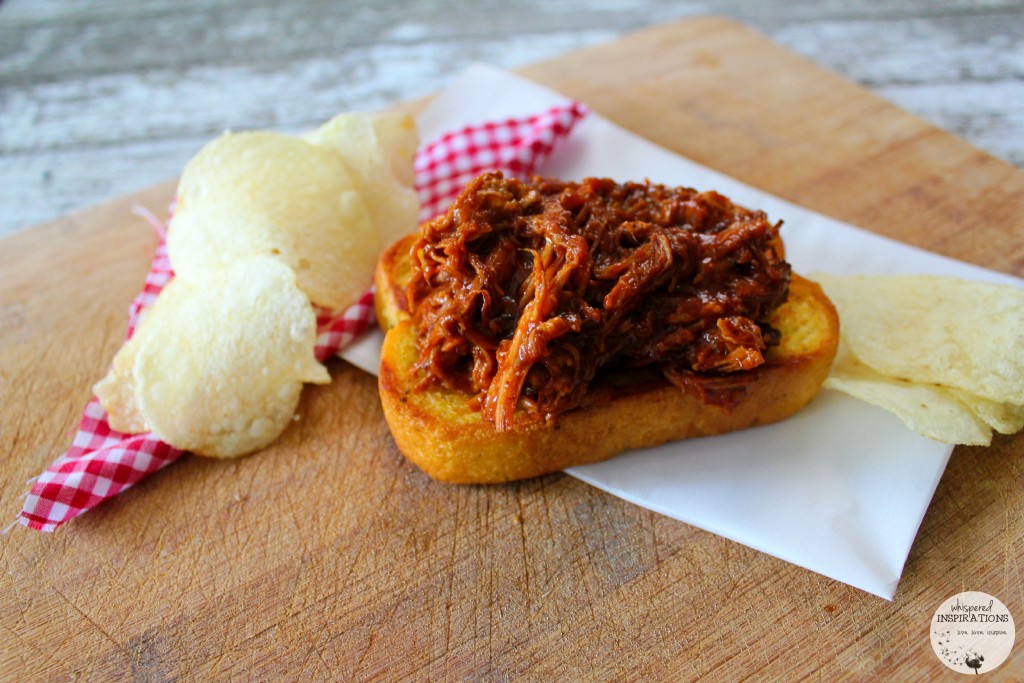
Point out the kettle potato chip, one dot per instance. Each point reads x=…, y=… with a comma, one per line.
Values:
x=941, y=353
x=221, y=358
x=379, y=150
x=1005, y=418
x=116, y=391
x=939, y=330
x=267, y=193
x=927, y=409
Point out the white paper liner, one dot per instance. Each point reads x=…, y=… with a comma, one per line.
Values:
x=842, y=487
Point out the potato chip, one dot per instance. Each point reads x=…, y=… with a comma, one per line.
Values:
x=266, y=193
x=222, y=357
x=396, y=133
x=935, y=330
x=379, y=150
x=929, y=410
x=1005, y=418
x=116, y=391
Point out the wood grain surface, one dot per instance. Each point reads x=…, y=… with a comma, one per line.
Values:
x=328, y=557
x=100, y=98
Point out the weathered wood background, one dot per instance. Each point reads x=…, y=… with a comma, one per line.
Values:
x=100, y=98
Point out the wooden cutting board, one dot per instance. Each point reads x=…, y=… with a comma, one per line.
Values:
x=330, y=557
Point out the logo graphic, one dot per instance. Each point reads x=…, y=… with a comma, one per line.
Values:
x=972, y=632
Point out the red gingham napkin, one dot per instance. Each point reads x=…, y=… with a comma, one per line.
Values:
x=101, y=462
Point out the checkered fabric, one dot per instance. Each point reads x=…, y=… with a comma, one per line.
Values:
x=516, y=146
x=101, y=462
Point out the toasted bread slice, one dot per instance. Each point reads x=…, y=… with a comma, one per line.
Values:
x=439, y=431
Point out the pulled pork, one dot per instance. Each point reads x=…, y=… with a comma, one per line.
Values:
x=526, y=294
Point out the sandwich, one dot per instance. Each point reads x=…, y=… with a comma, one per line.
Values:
x=543, y=324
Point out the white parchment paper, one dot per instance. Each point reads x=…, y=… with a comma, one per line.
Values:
x=842, y=487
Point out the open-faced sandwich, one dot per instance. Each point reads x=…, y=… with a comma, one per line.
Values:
x=540, y=325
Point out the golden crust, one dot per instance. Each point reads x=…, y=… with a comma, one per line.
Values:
x=439, y=431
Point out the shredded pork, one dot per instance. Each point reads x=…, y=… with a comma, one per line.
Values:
x=525, y=294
